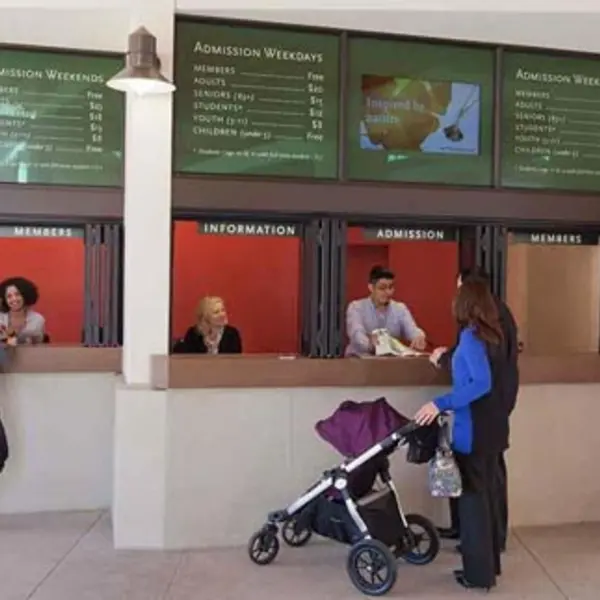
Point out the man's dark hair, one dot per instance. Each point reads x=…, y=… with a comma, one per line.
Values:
x=378, y=272
x=26, y=288
x=474, y=274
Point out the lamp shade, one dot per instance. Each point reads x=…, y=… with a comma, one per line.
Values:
x=141, y=74
x=141, y=80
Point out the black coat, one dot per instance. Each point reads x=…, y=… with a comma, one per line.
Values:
x=3, y=447
x=193, y=342
x=504, y=363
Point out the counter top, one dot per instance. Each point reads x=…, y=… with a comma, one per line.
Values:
x=267, y=371
x=63, y=359
x=272, y=371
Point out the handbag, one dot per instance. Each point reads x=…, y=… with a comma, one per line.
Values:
x=445, y=480
x=422, y=444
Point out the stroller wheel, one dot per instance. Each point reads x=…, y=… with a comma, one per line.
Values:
x=421, y=543
x=293, y=536
x=372, y=567
x=263, y=547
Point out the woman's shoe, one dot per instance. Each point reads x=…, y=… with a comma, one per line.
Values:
x=448, y=533
x=460, y=578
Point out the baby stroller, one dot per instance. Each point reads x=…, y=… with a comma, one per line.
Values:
x=345, y=507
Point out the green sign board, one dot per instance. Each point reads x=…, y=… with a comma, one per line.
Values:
x=59, y=123
x=551, y=122
x=419, y=112
x=256, y=101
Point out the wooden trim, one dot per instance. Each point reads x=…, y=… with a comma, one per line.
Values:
x=568, y=369
x=63, y=359
x=193, y=195
x=189, y=372
x=273, y=372
x=196, y=195
x=72, y=203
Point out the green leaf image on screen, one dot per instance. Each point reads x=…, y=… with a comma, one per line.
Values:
x=550, y=122
x=256, y=101
x=419, y=113
x=406, y=115
x=59, y=123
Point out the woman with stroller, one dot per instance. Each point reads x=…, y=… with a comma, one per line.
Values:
x=480, y=430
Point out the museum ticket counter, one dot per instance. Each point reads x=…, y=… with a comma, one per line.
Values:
x=57, y=405
x=231, y=438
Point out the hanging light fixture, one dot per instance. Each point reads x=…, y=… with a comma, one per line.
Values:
x=141, y=74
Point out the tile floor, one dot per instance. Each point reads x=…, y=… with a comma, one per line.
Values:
x=70, y=557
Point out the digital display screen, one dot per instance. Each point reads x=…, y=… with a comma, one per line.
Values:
x=419, y=113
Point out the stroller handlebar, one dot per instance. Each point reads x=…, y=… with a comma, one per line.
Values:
x=412, y=426
x=407, y=429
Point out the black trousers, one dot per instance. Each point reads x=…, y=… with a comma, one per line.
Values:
x=479, y=517
x=501, y=500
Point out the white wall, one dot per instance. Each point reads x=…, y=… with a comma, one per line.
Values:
x=104, y=25
x=572, y=30
x=60, y=435
x=91, y=29
x=217, y=461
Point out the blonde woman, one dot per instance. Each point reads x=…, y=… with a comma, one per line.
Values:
x=211, y=334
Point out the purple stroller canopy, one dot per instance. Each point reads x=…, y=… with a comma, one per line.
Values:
x=356, y=426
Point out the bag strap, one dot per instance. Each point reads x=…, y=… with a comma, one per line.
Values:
x=444, y=433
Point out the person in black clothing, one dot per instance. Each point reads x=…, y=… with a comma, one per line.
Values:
x=480, y=430
x=211, y=334
x=508, y=381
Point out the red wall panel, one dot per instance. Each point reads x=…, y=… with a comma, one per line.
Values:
x=56, y=266
x=257, y=277
x=425, y=278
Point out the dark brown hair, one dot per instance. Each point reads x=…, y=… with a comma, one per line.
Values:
x=474, y=306
x=25, y=287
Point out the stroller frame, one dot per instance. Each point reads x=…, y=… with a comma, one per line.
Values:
x=264, y=545
x=338, y=478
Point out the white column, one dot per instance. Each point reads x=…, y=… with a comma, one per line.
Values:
x=139, y=508
x=147, y=213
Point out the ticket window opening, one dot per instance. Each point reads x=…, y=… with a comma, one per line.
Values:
x=56, y=266
x=257, y=276
x=553, y=290
x=425, y=266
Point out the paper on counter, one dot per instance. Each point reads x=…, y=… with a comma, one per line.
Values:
x=386, y=345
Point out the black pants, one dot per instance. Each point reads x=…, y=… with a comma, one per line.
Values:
x=502, y=503
x=479, y=516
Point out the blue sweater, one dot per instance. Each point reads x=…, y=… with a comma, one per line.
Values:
x=471, y=381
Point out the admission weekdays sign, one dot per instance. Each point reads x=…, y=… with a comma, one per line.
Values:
x=433, y=234
x=551, y=122
x=555, y=238
x=256, y=101
x=40, y=231
x=59, y=123
x=235, y=228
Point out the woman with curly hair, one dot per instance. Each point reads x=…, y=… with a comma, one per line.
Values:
x=19, y=324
